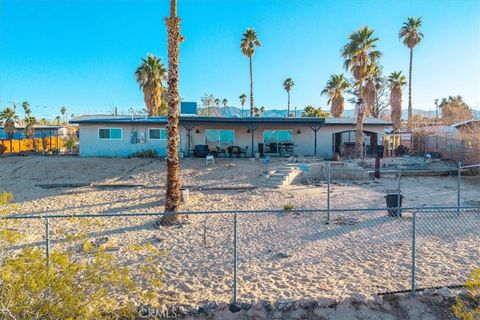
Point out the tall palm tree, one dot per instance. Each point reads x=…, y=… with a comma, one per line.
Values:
x=335, y=89
x=150, y=76
x=411, y=35
x=225, y=102
x=288, y=85
x=248, y=44
x=396, y=82
x=172, y=192
x=243, y=99
x=63, y=111
x=361, y=57
x=8, y=116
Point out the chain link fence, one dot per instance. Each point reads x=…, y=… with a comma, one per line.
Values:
x=334, y=250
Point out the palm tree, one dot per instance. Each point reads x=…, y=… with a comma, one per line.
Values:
x=243, y=99
x=287, y=85
x=248, y=44
x=411, y=35
x=63, y=111
x=150, y=76
x=361, y=58
x=8, y=117
x=396, y=82
x=172, y=192
x=225, y=102
x=335, y=89
x=29, y=127
x=58, y=120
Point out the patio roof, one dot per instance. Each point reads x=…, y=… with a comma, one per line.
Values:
x=106, y=119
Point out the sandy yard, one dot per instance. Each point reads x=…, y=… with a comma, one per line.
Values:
x=281, y=256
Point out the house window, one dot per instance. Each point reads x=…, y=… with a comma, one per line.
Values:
x=219, y=138
x=157, y=134
x=110, y=133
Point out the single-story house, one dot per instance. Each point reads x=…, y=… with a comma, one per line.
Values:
x=121, y=136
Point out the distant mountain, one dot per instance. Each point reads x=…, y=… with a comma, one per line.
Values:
x=234, y=112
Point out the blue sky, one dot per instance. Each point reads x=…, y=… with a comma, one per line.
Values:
x=82, y=53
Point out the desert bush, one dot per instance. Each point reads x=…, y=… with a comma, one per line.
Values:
x=468, y=308
x=288, y=207
x=150, y=153
x=82, y=282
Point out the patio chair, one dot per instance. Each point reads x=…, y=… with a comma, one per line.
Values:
x=221, y=151
x=244, y=151
x=234, y=150
x=201, y=151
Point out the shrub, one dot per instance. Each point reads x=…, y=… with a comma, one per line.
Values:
x=76, y=283
x=150, y=153
x=469, y=308
x=288, y=207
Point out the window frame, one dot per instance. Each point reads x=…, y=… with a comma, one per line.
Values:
x=107, y=139
x=159, y=139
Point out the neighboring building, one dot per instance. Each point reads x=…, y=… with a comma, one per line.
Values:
x=45, y=138
x=121, y=136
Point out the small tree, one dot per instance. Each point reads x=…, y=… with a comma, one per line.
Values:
x=312, y=112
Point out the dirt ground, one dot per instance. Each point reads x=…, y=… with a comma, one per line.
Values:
x=281, y=255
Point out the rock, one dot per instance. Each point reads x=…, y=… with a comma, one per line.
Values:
x=266, y=305
x=326, y=303
x=285, y=305
x=234, y=308
x=446, y=293
x=308, y=304
x=208, y=307
x=246, y=306
x=281, y=255
x=377, y=299
x=359, y=298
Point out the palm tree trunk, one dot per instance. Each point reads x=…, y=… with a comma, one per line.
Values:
x=172, y=201
x=410, y=111
x=288, y=106
x=358, y=151
x=251, y=88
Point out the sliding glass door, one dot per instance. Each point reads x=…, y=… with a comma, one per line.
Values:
x=277, y=141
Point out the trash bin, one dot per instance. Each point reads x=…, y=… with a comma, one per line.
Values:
x=392, y=202
x=260, y=149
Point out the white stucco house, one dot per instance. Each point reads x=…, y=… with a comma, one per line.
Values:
x=121, y=136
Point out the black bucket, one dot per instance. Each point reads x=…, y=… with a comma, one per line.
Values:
x=392, y=202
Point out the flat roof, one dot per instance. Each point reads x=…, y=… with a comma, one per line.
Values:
x=120, y=119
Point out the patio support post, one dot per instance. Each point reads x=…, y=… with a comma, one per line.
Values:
x=315, y=130
x=252, y=130
x=189, y=129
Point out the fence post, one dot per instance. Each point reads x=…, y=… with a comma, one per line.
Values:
x=328, y=194
x=459, y=179
x=414, y=244
x=235, y=244
x=399, y=194
x=47, y=242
